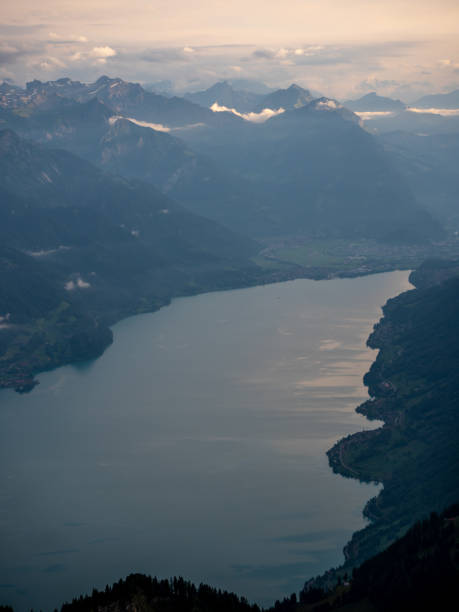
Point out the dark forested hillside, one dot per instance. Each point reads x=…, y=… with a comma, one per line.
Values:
x=417, y=573
x=414, y=389
x=81, y=249
x=139, y=592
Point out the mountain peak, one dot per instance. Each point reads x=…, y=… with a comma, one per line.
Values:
x=224, y=94
x=292, y=97
x=221, y=86
x=104, y=79
x=374, y=102
x=295, y=87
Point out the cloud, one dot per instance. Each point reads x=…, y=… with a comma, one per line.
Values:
x=20, y=30
x=49, y=64
x=263, y=54
x=264, y=115
x=328, y=104
x=102, y=52
x=309, y=55
x=10, y=53
x=449, y=64
x=6, y=75
x=337, y=70
x=373, y=83
x=445, y=112
x=159, y=127
x=64, y=39
x=168, y=55
x=329, y=345
x=79, y=283
x=283, y=53
x=369, y=115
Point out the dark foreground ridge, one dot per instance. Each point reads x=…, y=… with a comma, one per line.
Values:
x=143, y=593
x=418, y=572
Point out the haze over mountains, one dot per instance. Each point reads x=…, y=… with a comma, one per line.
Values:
x=433, y=114
x=447, y=100
x=275, y=178
x=372, y=102
x=224, y=94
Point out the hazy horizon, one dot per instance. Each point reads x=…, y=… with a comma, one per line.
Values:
x=341, y=49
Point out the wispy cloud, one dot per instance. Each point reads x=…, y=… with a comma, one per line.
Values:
x=182, y=54
x=369, y=115
x=262, y=116
x=329, y=345
x=445, y=112
x=159, y=127
x=308, y=54
x=49, y=64
x=56, y=38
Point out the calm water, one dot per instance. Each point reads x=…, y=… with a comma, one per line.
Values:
x=194, y=446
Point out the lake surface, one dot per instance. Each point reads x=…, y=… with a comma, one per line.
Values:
x=194, y=446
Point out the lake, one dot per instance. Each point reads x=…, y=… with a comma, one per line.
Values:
x=194, y=446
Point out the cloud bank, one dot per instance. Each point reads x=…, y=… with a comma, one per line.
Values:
x=396, y=50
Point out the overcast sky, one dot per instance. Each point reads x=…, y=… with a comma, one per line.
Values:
x=342, y=48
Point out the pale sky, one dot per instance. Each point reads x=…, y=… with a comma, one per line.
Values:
x=340, y=47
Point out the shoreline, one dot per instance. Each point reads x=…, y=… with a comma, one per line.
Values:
x=20, y=375
x=413, y=454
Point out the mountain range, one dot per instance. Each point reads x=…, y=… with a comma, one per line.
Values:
x=371, y=102
x=288, y=99
x=246, y=101
x=446, y=100
x=318, y=173
x=311, y=170
x=225, y=95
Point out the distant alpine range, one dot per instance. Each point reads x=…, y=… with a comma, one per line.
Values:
x=310, y=169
